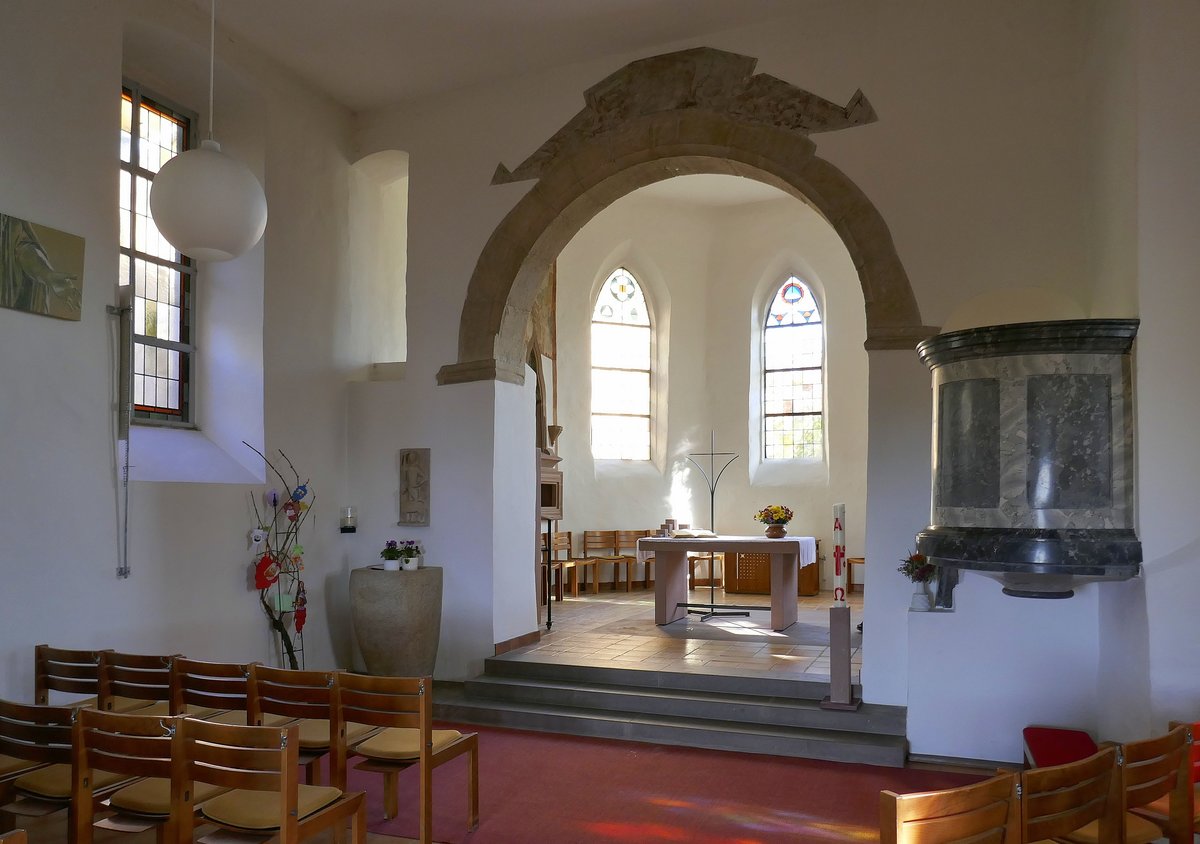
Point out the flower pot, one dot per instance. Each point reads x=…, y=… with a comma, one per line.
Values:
x=410, y=563
x=922, y=601
x=776, y=531
x=391, y=565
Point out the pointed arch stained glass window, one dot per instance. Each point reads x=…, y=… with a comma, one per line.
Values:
x=621, y=397
x=793, y=375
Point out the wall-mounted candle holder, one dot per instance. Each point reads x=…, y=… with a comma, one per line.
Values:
x=349, y=520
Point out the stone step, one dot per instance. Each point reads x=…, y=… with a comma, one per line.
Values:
x=456, y=705
x=783, y=687
x=740, y=707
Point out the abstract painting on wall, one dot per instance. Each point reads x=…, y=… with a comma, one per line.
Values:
x=41, y=269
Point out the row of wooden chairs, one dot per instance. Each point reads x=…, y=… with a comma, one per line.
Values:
x=617, y=548
x=387, y=721
x=1134, y=793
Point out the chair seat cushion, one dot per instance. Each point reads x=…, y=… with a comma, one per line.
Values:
x=314, y=733
x=1049, y=746
x=1137, y=831
x=11, y=764
x=152, y=796
x=403, y=743
x=237, y=718
x=204, y=713
x=1161, y=807
x=260, y=810
x=54, y=781
x=132, y=706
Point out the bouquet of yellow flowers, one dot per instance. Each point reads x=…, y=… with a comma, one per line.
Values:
x=774, y=514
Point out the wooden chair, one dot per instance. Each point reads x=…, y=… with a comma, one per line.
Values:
x=309, y=698
x=982, y=813
x=625, y=544
x=601, y=546
x=135, y=683
x=40, y=736
x=1154, y=770
x=403, y=706
x=561, y=544
x=62, y=670
x=254, y=760
x=214, y=691
x=149, y=747
x=1059, y=800
x=1160, y=810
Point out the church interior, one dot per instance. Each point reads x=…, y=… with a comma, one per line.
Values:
x=454, y=188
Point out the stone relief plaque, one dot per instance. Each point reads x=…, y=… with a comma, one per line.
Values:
x=414, y=486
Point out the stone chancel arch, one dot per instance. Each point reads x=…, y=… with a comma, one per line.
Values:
x=695, y=111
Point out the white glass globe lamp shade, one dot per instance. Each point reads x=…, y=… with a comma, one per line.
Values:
x=207, y=205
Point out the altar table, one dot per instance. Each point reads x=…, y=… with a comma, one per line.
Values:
x=670, y=576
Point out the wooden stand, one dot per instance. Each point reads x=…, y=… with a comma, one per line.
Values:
x=840, y=688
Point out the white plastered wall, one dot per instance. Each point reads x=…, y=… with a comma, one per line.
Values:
x=188, y=552
x=1168, y=258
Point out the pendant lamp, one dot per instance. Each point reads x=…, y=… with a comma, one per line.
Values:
x=207, y=205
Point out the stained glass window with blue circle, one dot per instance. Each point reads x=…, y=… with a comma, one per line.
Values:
x=793, y=375
x=621, y=348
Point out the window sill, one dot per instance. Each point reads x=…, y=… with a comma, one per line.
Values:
x=609, y=468
x=182, y=455
x=789, y=472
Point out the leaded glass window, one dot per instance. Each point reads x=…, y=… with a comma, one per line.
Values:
x=793, y=375
x=621, y=349
x=151, y=134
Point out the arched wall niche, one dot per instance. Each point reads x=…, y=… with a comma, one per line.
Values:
x=696, y=111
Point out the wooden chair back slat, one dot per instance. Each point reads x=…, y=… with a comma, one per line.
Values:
x=1155, y=767
x=1060, y=799
x=63, y=670
x=223, y=753
x=294, y=694
x=1194, y=729
x=136, y=676
x=369, y=700
x=981, y=812
x=137, y=745
x=627, y=539
x=602, y=541
x=36, y=733
x=215, y=685
x=237, y=757
x=561, y=541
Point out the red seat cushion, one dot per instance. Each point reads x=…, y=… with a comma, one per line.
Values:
x=1045, y=746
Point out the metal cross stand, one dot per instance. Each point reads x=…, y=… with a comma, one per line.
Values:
x=712, y=476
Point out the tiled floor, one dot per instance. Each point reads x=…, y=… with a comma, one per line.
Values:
x=618, y=630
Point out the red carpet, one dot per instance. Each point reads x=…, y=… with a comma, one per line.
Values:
x=552, y=789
